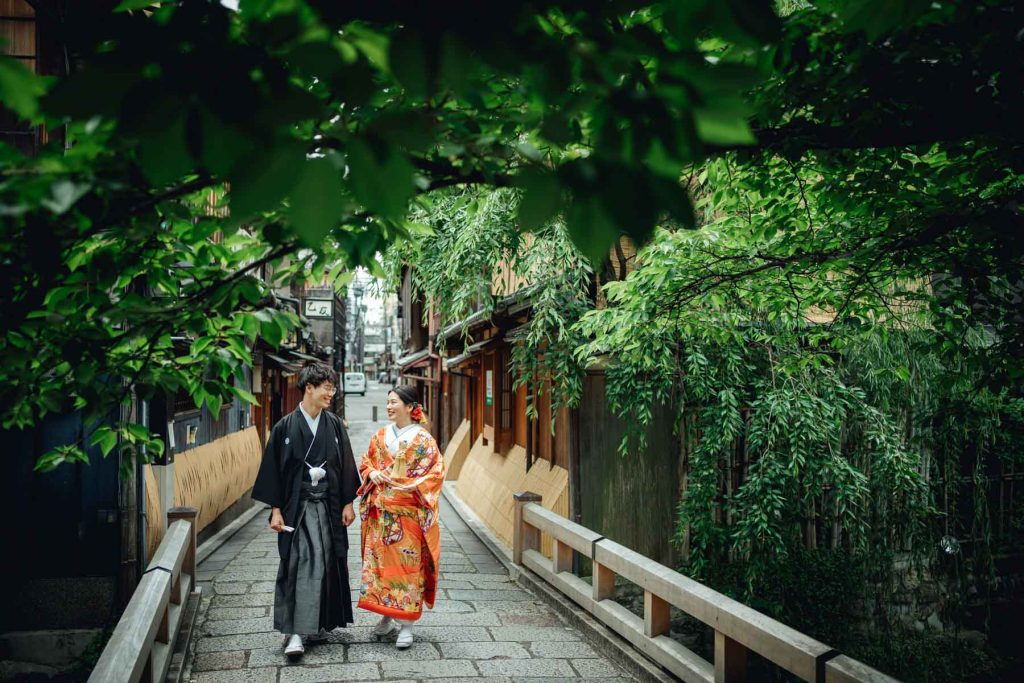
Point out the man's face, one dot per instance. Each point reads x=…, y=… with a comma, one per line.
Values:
x=322, y=394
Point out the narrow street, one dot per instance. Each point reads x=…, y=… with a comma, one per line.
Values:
x=483, y=628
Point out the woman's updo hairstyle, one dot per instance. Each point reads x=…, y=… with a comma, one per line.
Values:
x=411, y=397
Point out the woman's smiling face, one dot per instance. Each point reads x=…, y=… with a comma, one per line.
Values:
x=397, y=411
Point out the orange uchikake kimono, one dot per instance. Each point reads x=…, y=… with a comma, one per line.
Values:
x=401, y=540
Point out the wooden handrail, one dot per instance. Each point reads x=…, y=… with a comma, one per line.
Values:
x=738, y=628
x=142, y=642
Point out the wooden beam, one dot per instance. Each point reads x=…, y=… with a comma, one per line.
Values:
x=558, y=527
x=561, y=557
x=524, y=536
x=794, y=651
x=127, y=653
x=842, y=669
x=656, y=615
x=603, y=582
x=190, y=515
x=730, y=660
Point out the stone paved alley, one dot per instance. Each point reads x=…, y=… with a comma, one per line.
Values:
x=484, y=626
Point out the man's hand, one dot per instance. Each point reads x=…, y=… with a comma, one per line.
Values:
x=276, y=520
x=348, y=515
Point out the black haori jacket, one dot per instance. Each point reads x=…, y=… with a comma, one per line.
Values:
x=282, y=471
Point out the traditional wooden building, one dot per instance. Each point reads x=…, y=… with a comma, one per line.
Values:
x=494, y=448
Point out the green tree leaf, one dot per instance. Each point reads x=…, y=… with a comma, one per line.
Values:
x=382, y=177
x=316, y=201
x=20, y=89
x=263, y=179
x=541, y=201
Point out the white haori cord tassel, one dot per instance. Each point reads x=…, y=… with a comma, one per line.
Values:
x=317, y=473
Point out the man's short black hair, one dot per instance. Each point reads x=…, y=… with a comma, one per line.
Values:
x=316, y=373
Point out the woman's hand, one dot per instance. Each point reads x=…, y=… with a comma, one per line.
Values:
x=276, y=520
x=378, y=477
x=348, y=515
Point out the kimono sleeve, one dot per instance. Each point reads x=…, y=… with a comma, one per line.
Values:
x=368, y=463
x=349, y=473
x=428, y=485
x=269, y=487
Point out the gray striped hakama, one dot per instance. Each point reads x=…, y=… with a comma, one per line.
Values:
x=308, y=584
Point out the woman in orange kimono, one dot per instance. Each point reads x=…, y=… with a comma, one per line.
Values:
x=402, y=472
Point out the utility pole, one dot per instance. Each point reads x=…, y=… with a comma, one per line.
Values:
x=357, y=291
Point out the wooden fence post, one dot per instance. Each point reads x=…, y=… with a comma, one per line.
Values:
x=656, y=615
x=523, y=538
x=190, y=515
x=730, y=660
x=603, y=582
x=561, y=557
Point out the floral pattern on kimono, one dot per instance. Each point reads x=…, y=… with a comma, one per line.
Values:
x=401, y=539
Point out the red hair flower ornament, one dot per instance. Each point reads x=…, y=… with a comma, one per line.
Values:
x=416, y=414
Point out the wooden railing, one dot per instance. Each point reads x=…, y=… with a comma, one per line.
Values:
x=738, y=628
x=143, y=641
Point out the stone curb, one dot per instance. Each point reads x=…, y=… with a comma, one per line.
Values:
x=210, y=545
x=604, y=639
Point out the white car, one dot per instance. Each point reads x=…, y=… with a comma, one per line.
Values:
x=355, y=383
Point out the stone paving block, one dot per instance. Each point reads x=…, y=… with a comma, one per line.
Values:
x=487, y=568
x=459, y=619
x=521, y=606
x=443, y=668
x=366, y=618
x=236, y=676
x=264, y=574
x=477, y=551
x=466, y=566
x=386, y=651
x=448, y=605
x=220, y=613
x=492, y=582
x=262, y=587
x=526, y=667
x=213, y=661
x=595, y=668
x=563, y=679
x=553, y=650
x=246, y=600
x=533, y=633
x=532, y=619
x=259, y=563
x=471, y=576
x=319, y=653
x=245, y=641
x=483, y=651
x=230, y=588
x=329, y=673
x=267, y=550
x=230, y=626
x=479, y=595
x=352, y=634
x=452, y=634
x=213, y=564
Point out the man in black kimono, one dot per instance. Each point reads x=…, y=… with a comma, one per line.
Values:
x=309, y=478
